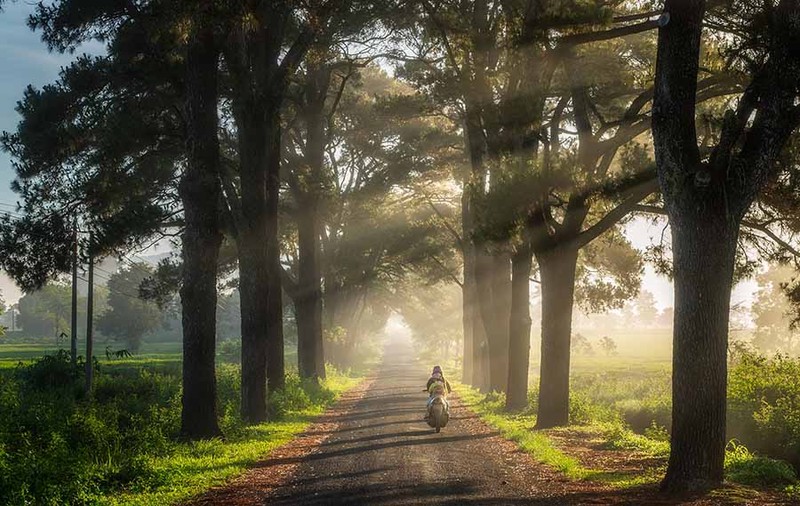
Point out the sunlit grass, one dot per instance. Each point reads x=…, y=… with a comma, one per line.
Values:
x=519, y=428
x=144, y=464
x=601, y=427
x=196, y=467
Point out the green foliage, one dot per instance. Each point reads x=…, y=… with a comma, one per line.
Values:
x=609, y=273
x=630, y=411
x=46, y=312
x=61, y=448
x=742, y=466
x=297, y=395
x=433, y=314
x=519, y=428
x=772, y=310
x=120, y=445
x=764, y=403
x=230, y=350
x=129, y=317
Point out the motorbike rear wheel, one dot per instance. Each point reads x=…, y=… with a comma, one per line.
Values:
x=438, y=415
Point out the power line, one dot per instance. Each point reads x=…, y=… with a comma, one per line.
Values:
x=115, y=291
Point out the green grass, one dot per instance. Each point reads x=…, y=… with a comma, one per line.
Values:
x=195, y=467
x=120, y=446
x=162, y=356
x=623, y=403
x=13, y=352
x=519, y=428
x=746, y=468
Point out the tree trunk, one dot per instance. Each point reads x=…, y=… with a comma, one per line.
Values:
x=253, y=293
x=519, y=329
x=480, y=351
x=557, y=269
x=468, y=299
x=253, y=263
x=200, y=194
x=501, y=311
x=467, y=320
x=703, y=280
x=276, y=365
x=493, y=288
x=308, y=303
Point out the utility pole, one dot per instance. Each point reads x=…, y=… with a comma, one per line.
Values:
x=89, y=323
x=73, y=348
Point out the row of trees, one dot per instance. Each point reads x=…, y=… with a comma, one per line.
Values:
x=208, y=122
x=522, y=77
x=119, y=312
x=259, y=131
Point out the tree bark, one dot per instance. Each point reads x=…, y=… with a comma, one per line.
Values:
x=467, y=290
x=480, y=350
x=308, y=303
x=557, y=269
x=519, y=329
x=702, y=259
x=307, y=186
x=276, y=364
x=253, y=262
x=200, y=195
x=703, y=280
x=467, y=321
x=499, y=339
x=706, y=201
x=492, y=276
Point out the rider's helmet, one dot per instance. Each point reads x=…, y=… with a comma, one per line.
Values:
x=436, y=369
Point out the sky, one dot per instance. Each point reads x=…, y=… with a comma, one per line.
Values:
x=25, y=60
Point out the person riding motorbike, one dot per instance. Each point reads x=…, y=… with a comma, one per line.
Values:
x=437, y=385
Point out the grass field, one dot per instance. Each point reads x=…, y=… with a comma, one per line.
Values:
x=165, y=355
x=121, y=445
x=13, y=352
x=621, y=402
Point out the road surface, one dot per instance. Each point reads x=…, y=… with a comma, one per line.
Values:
x=373, y=447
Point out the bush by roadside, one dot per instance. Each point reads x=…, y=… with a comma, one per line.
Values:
x=120, y=446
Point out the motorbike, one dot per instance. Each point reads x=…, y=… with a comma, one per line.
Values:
x=438, y=411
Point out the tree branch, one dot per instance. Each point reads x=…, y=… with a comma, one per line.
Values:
x=616, y=214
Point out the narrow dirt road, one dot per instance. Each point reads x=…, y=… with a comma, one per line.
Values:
x=374, y=448
x=383, y=453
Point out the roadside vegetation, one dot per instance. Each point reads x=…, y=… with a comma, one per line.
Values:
x=626, y=410
x=122, y=445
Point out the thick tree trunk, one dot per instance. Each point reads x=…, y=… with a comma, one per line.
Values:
x=519, y=329
x=703, y=280
x=484, y=269
x=467, y=321
x=493, y=291
x=259, y=255
x=499, y=340
x=200, y=194
x=557, y=269
x=308, y=303
x=253, y=290
x=468, y=299
x=480, y=351
x=253, y=264
x=276, y=365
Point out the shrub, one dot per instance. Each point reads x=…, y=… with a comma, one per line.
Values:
x=742, y=466
x=764, y=404
x=230, y=351
x=58, y=447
